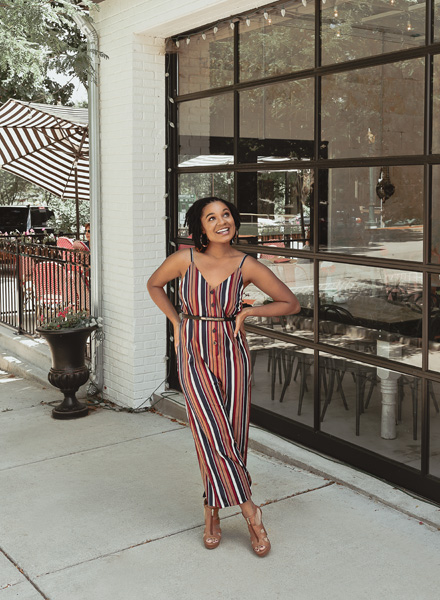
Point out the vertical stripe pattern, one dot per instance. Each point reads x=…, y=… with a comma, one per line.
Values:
x=214, y=372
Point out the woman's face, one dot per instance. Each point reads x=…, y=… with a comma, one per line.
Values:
x=218, y=222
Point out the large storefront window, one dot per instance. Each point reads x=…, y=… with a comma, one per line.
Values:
x=329, y=146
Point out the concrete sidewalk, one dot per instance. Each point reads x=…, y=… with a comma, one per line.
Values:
x=109, y=507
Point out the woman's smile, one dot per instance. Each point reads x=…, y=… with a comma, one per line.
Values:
x=217, y=221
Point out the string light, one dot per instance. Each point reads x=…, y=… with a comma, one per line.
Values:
x=269, y=20
x=304, y=2
x=232, y=25
x=177, y=44
x=392, y=2
x=266, y=15
x=188, y=40
x=215, y=29
x=338, y=33
x=283, y=12
x=248, y=21
x=203, y=36
x=335, y=12
x=409, y=26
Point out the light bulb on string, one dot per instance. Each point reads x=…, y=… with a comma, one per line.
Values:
x=203, y=36
x=392, y=2
x=248, y=21
x=304, y=2
x=215, y=29
x=338, y=33
x=232, y=25
x=409, y=26
x=336, y=13
x=188, y=40
x=283, y=12
x=266, y=15
x=269, y=20
x=177, y=44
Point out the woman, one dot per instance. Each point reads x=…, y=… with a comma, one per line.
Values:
x=213, y=356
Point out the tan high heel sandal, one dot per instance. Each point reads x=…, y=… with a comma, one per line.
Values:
x=259, y=540
x=212, y=534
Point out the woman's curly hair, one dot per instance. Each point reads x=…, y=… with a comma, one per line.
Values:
x=194, y=215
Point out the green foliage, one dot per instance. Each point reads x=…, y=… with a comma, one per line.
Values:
x=64, y=219
x=38, y=36
x=14, y=190
x=68, y=319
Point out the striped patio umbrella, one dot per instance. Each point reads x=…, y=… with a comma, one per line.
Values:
x=48, y=146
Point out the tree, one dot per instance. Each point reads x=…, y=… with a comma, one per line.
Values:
x=39, y=36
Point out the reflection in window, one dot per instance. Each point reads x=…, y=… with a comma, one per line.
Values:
x=376, y=111
x=352, y=30
x=276, y=207
x=371, y=310
x=434, y=428
x=193, y=186
x=434, y=324
x=361, y=404
x=277, y=121
x=297, y=274
x=282, y=43
x=206, y=129
x=376, y=211
x=282, y=377
x=436, y=105
x=205, y=63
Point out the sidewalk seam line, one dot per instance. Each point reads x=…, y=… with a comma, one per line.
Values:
x=87, y=450
x=169, y=535
x=23, y=572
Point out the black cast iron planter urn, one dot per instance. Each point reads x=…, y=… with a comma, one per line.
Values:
x=69, y=371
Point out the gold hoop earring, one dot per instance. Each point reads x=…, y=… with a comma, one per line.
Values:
x=204, y=240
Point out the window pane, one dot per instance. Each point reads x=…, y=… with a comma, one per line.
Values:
x=434, y=324
x=277, y=384
x=435, y=219
x=297, y=274
x=199, y=185
x=436, y=20
x=434, y=428
x=376, y=111
x=352, y=30
x=276, y=207
x=206, y=64
x=206, y=129
x=436, y=106
x=277, y=121
x=361, y=404
x=374, y=211
x=278, y=44
x=372, y=310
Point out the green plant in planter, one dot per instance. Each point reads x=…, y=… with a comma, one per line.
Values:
x=67, y=335
x=68, y=319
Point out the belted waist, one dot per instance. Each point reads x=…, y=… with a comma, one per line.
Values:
x=199, y=318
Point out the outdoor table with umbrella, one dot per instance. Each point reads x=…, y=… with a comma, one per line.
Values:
x=47, y=145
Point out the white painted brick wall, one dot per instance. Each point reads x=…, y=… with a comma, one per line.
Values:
x=132, y=103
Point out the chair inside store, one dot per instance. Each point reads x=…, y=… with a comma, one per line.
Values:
x=334, y=369
x=413, y=385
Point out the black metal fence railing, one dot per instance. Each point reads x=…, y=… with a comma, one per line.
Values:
x=37, y=282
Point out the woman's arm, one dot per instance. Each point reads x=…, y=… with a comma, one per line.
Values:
x=174, y=266
x=284, y=301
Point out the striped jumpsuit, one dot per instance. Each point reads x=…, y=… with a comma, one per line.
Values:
x=214, y=372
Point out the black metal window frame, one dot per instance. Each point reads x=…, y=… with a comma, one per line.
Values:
x=419, y=481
